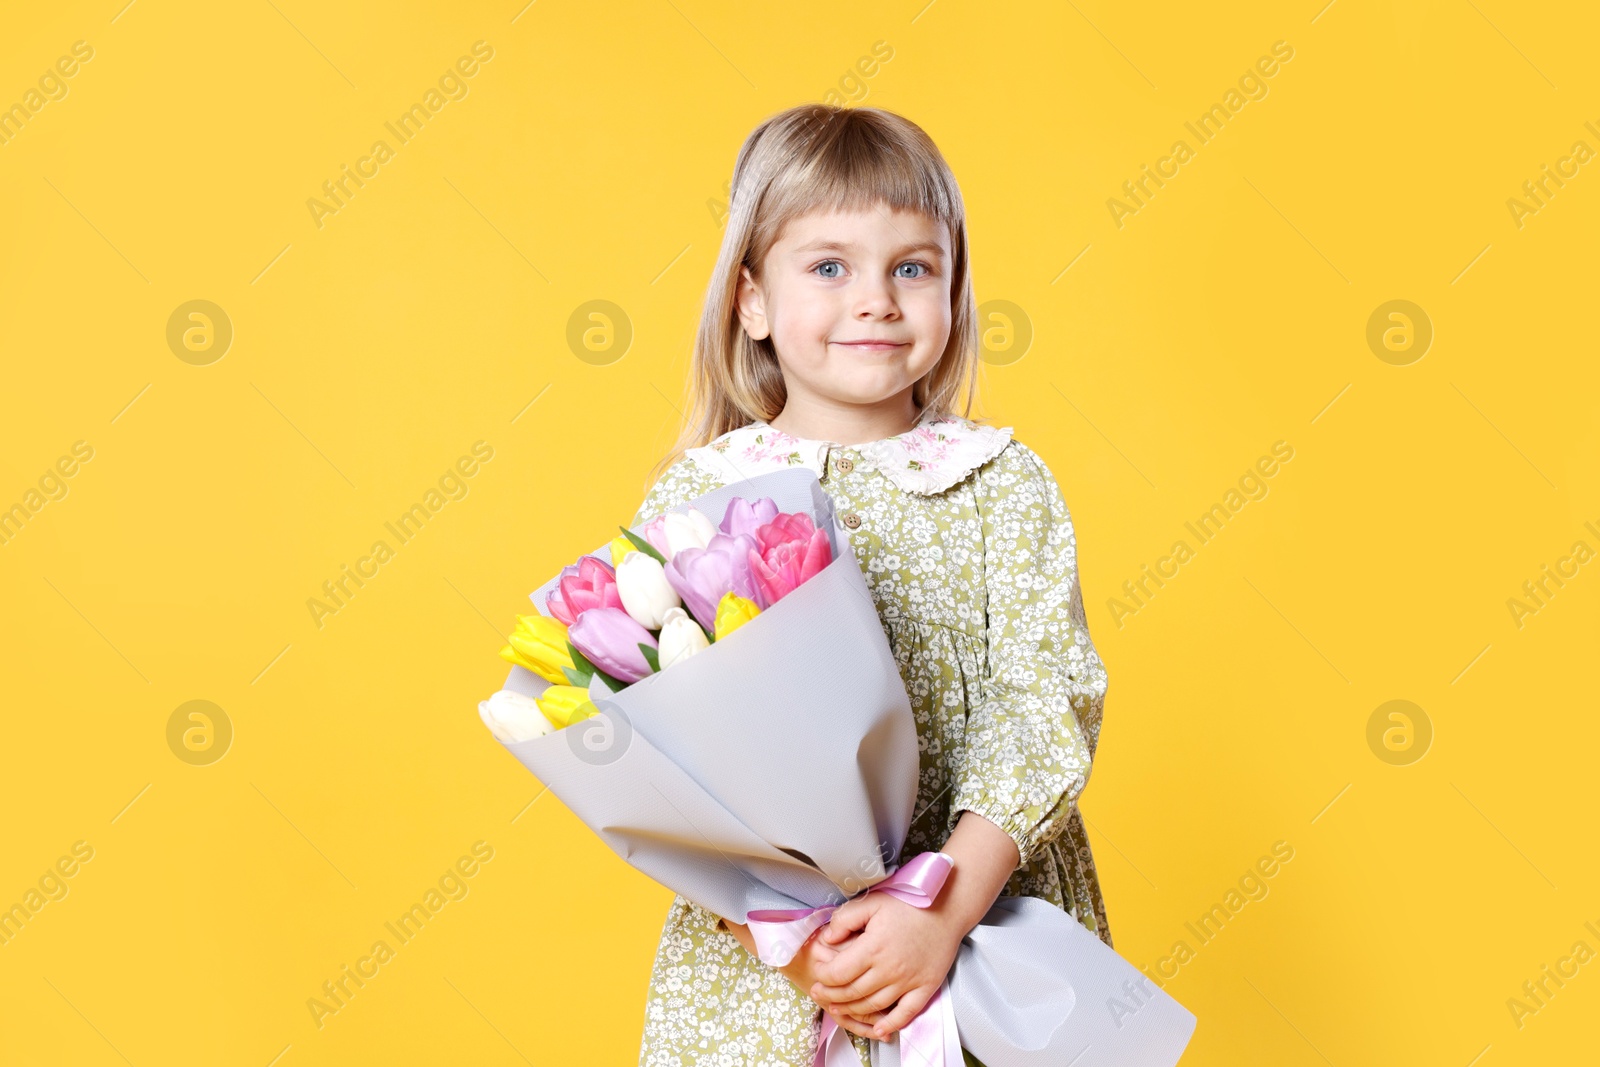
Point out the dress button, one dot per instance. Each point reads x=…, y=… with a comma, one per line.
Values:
x=852, y=520
x=846, y=465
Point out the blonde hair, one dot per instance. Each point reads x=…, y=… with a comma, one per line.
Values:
x=817, y=157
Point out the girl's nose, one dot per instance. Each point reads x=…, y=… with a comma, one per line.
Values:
x=876, y=298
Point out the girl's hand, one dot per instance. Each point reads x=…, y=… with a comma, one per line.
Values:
x=802, y=971
x=890, y=969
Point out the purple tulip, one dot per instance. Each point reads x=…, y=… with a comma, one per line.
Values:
x=702, y=575
x=611, y=639
x=744, y=517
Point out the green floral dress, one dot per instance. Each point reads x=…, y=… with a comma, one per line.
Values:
x=967, y=546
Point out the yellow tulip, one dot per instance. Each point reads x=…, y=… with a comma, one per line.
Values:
x=564, y=705
x=620, y=546
x=733, y=611
x=539, y=643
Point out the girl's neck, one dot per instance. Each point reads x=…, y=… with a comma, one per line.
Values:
x=846, y=424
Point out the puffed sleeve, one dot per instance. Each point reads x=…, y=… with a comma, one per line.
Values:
x=1031, y=737
x=679, y=483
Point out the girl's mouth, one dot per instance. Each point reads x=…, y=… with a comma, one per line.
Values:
x=872, y=346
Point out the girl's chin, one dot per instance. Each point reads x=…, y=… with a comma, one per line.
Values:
x=869, y=396
x=870, y=388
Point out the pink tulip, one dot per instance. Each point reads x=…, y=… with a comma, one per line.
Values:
x=610, y=638
x=791, y=549
x=655, y=532
x=589, y=583
x=785, y=527
x=743, y=517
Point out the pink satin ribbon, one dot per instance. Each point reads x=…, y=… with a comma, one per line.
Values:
x=929, y=1039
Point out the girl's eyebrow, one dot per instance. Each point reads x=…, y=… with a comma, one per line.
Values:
x=928, y=247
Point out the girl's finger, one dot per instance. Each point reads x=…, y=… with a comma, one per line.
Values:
x=846, y=967
x=847, y=919
x=852, y=1024
x=832, y=996
x=910, y=1004
x=821, y=953
x=874, y=1004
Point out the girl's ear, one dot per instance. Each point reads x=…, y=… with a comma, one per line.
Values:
x=751, y=306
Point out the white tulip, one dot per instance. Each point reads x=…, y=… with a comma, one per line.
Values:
x=646, y=593
x=681, y=637
x=689, y=529
x=513, y=717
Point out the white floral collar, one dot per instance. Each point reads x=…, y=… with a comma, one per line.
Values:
x=929, y=458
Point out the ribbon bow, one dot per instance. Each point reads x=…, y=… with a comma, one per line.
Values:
x=928, y=1039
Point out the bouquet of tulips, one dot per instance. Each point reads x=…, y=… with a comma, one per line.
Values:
x=681, y=584
x=714, y=695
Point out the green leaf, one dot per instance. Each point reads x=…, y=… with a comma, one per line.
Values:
x=579, y=660
x=576, y=678
x=589, y=669
x=642, y=545
x=651, y=656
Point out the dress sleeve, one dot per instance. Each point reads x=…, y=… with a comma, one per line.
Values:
x=1031, y=737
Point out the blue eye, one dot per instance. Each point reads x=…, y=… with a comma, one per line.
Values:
x=913, y=263
x=827, y=263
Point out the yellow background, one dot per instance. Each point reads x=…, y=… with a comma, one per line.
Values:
x=368, y=354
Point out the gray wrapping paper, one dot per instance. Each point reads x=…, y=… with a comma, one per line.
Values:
x=777, y=768
x=1032, y=987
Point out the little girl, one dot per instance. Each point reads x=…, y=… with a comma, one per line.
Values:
x=840, y=333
